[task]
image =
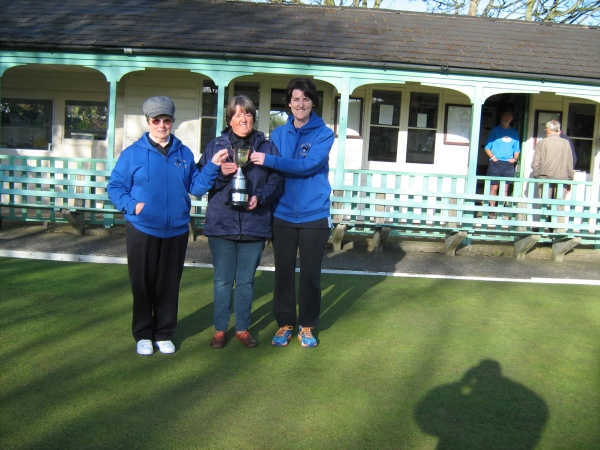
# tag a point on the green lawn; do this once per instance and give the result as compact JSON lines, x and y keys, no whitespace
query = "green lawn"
{"x":401,"y":363}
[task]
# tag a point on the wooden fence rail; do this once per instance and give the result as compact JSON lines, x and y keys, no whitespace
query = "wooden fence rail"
{"x":432,"y":206}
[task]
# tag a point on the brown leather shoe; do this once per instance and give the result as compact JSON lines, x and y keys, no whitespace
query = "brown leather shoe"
{"x":218,"y":340}
{"x":246,"y":339}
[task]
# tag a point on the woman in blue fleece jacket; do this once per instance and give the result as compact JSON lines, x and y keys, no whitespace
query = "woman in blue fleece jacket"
{"x":150,"y":184}
{"x":302,"y":221}
{"x":237,"y":234}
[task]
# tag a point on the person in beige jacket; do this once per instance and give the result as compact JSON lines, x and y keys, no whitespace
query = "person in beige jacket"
{"x":552,"y":159}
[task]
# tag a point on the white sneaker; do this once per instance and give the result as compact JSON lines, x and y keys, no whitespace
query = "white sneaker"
{"x":144,"y":347}
{"x":165,"y":346}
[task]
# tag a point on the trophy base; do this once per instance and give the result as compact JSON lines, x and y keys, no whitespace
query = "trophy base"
{"x":237,"y":198}
{"x":230,"y":203}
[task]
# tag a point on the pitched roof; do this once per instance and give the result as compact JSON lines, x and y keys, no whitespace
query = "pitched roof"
{"x":327,"y":34}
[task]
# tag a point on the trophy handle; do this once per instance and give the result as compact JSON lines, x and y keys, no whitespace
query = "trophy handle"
{"x":250,"y":150}
{"x":230,"y":155}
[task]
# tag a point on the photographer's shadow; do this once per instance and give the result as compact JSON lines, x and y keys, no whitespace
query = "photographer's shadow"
{"x":483,"y":411}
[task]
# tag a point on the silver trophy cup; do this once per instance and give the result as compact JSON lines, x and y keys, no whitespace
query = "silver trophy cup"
{"x":238,"y":196}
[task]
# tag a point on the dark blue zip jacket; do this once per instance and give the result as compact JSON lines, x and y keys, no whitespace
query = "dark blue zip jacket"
{"x":143,"y":174}
{"x":305,"y":163}
{"x":264,"y":183}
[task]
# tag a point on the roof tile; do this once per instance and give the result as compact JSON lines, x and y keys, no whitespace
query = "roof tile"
{"x":298,"y":31}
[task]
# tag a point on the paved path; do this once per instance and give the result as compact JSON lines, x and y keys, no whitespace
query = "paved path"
{"x":108,"y":246}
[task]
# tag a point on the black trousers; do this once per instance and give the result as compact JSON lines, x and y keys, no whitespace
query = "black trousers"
{"x":311,"y":243}
{"x":155,"y":268}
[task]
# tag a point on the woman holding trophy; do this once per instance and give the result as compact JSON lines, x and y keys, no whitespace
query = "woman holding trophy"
{"x":302,"y":222}
{"x":238,"y":218}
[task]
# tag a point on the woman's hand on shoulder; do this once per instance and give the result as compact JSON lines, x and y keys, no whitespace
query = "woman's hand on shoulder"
{"x":220,"y":157}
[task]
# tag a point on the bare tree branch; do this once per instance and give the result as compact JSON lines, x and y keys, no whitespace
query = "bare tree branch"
{"x":473,"y":5}
{"x":560,"y":11}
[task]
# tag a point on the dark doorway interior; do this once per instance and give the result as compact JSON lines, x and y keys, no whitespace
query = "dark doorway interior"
{"x":490,"y":117}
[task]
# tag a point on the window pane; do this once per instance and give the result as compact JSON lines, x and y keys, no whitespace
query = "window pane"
{"x":225,"y":124}
{"x":541,"y":119}
{"x":209,"y":131}
{"x":386,"y":108}
{"x":383,"y":144}
{"x":209,"y":99}
{"x":319,"y":111}
{"x":583,"y":149}
{"x":423,"y":110}
{"x":354,"y":125}
{"x":581,"y":120}
{"x":26,"y":123}
{"x":252,"y":91}
{"x":279,"y":110}
{"x":421,"y":146}
{"x":86,"y":120}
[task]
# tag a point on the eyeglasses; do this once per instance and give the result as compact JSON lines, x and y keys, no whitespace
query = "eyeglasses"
{"x":157,"y":121}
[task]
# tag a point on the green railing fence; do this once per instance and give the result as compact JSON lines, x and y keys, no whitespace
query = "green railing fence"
{"x":48,"y":189}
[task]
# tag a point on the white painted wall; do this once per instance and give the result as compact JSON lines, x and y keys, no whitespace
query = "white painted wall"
{"x":59,"y":83}
{"x":183,"y":87}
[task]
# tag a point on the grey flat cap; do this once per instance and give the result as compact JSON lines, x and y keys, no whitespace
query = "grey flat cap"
{"x":155,"y":106}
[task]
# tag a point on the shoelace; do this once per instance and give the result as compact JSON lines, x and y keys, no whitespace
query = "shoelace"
{"x":282,"y":330}
{"x":307,"y":332}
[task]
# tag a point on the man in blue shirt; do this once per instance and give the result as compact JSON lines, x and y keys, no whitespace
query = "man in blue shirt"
{"x":503,"y":148}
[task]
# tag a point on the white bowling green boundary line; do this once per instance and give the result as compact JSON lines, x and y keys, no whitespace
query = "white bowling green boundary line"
{"x":118,"y":260}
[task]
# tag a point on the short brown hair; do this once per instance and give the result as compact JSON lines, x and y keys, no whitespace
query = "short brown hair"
{"x":244,"y":102}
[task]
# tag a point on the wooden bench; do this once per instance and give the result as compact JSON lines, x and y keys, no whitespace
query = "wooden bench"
{"x":377,"y":203}
{"x":460,"y":218}
{"x":197,"y":216}
{"x":36,"y":188}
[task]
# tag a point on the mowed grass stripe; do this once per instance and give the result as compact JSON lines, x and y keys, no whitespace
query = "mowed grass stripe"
{"x":402,"y":363}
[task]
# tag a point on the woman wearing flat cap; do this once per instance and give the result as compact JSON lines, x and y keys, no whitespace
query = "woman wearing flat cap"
{"x":150,"y":184}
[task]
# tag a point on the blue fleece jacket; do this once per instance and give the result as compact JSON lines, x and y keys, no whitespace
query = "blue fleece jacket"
{"x":503,"y":142}
{"x":305,"y":163}
{"x":266,"y":184}
{"x":143,"y":175}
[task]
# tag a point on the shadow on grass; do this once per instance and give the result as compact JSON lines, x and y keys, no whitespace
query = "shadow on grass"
{"x":338,"y":295}
{"x":357,"y":256}
{"x":484,"y":410}
{"x":193,"y":324}
{"x":76,"y":388}
{"x":201,"y":318}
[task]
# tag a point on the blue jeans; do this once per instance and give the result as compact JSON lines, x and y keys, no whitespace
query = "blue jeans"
{"x":234,"y":261}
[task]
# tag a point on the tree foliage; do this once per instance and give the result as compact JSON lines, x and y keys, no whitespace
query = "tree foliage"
{"x":559,"y":11}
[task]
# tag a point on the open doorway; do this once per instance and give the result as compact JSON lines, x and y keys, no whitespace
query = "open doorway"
{"x":490,"y":117}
